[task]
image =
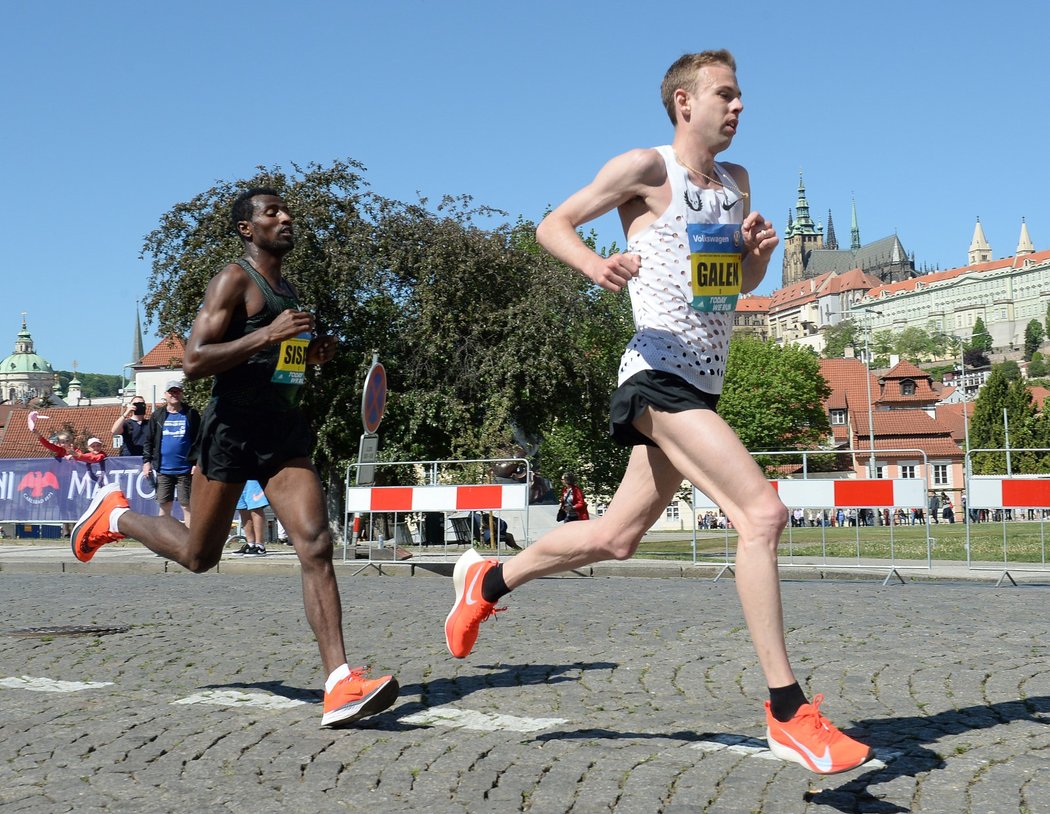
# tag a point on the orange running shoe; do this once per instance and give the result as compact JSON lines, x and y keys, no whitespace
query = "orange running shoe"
{"x":356,"y":697}
{"x":91,"y":531}
{"x":471,"y":608}
{"x":812,"y":741}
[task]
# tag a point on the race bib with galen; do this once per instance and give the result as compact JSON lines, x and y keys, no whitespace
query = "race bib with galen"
{"x":715,"y":257}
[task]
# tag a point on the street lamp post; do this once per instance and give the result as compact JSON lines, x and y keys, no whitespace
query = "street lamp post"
{"x":871,"y":417}
{"x":966,"y":417}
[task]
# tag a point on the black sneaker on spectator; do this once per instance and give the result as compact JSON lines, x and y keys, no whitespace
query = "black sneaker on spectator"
{"x":242,"y":551}
{"x":255,"y":551}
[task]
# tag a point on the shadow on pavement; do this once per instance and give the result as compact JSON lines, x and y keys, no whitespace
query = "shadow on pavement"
{"x":438,"y":692}
{"x":904,"y":737}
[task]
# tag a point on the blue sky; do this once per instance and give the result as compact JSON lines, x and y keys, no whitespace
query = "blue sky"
{"x":929,"y":114}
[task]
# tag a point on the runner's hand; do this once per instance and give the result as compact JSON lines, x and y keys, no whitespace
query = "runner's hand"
{"x":760,"y":238}
{"x":290,"y":324}
{"x":321,"y":350}
{"x":614,"y":272}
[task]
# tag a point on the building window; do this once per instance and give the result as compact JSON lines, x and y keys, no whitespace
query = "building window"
{"x":599,"y":510}
{"x":907,"y":387}
{"x":838,"y":416}
{"x":671,"y":513}
{"x":907,"y":470}
{"x":940,"y":474}
{"x":880,"y":471}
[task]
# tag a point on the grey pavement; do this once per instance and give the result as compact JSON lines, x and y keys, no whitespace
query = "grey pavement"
{"x":588,"y":694}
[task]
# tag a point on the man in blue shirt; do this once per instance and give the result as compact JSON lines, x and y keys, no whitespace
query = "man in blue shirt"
{"x":169,"y":451}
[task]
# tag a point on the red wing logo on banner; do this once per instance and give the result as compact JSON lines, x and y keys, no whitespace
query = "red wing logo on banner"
{"x":38,"y":487}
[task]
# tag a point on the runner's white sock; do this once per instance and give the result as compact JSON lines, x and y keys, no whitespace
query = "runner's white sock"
{"x":338,"y":674}
{"x":114,"y":516}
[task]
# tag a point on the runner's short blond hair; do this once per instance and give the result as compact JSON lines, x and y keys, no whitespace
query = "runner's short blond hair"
{"x":683,"y":74}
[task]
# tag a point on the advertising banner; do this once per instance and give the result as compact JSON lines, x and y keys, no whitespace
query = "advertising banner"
{"x":45,"y":490}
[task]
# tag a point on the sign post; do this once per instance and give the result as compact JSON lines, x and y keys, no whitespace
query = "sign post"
{"x":373,"y":403}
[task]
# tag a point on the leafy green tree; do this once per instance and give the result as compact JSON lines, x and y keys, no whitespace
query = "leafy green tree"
{"x":975,"y":359}
{"x":1027,"y":429}
{"x":1033,"y":338}
{"x":1011,"y":370}
{"x":486,"y":339}
{"x":774,"y":396}
{"x":839,"y":337}
{"x":913,"y":344}
{"x":980,"y":337}
{"x":92,"y":385}
{"x":986,"y":425}
{"x":1037,"y":368}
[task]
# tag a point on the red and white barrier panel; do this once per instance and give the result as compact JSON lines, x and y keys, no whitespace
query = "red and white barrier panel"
{"x":486,"y":497}
{"x":1009,"y":493}
{"x":903,"y":493}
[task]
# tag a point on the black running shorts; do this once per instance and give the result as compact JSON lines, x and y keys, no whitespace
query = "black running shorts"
{"x":661,"y":391}
{"x":238,"y":444}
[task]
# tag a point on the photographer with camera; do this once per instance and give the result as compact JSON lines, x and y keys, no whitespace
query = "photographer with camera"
{"x":132,"y":427}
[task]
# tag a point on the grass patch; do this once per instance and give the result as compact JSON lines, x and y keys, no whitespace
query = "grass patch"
{"x":1025,"y":542}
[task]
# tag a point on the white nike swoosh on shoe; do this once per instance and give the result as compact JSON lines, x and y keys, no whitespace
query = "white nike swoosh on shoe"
{"x":470,"y":588}
{"x":823,"y":762}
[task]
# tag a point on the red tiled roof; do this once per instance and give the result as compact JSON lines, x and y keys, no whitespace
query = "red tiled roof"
{"x":905,"y":370}
{"x":851,"y":280}
{"x":1039,"y":395}
{"x":167,"y":353}
{"x":18,"y":442}
{"x":950,"y":416}
{"x":892,"y":391}
{"x":753,"y":303}
{"x":893,"y":429}
{"x":949,"y":274}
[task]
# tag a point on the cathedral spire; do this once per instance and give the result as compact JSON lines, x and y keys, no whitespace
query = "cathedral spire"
{"x":803,"y":222}
{"x":832,"y":242}
{"x":136,"y":341}
{"x":1024,"y":243}
{"x":980,"y":250}
{"x":854,"y":229}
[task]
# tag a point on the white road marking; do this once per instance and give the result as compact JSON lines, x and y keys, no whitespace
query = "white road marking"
{"x":757,"y":747}
{"x":34,"y":684}
{"x":481,"y":721}
{"x":236,"y":698}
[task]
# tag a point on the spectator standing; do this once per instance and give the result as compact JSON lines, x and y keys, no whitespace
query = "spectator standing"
{"x":934,"y":506}
{"x":63,"y":447}
{"x":573,"y":505}
{"x":252,"y":509}
{"x":169,"y":453}
{"x":132,"y":427}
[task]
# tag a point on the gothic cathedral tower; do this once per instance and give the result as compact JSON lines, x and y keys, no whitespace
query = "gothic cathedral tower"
{"x":800,"y":238}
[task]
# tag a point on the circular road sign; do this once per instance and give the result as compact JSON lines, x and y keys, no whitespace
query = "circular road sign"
{"x":373,"y":400}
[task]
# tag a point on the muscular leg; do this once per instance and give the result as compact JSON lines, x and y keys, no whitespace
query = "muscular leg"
{"x":708,"y":453}
{"x":198,"y":549}
{"x":296,"y":496}
{"x":647,"y":487}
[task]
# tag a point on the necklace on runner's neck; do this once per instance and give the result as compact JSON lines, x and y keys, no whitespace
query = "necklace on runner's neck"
{"x":731,"y":185}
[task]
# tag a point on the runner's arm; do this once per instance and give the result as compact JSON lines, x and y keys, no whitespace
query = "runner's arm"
{"x":630,"y":175}
{"x":207,"y":354}
{"x":760,"y":237}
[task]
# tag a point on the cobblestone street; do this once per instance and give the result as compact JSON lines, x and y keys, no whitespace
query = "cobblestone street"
{"x":621,"y":694}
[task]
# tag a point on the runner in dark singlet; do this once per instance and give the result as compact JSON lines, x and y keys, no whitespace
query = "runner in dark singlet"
{"x":252,"y":337}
